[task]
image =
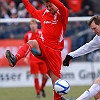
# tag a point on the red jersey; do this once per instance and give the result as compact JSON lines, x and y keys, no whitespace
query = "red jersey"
{"x":30,"y":36}
{"x":53,"y":26}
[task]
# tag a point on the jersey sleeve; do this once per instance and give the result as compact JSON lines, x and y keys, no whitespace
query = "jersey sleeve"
{"x":62,"y":9}
{"x":32,"y":10}
{"x":87,"y":48}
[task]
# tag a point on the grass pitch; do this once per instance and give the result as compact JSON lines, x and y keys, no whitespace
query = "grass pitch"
{"x":28,"y":93}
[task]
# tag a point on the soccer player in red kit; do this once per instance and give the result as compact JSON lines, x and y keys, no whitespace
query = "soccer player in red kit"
{"x":54,"y":19}
{"x":36,"y":65}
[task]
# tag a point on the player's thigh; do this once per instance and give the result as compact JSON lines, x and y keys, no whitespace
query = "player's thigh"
{"x":34,"y":68}
{"x":53,"y":77}
{"x":42,"y":68}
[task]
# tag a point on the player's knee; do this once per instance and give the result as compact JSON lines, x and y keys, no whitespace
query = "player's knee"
{"x":36,"y":75}
{"x":45,"y":76}
{"x":32,"y":43}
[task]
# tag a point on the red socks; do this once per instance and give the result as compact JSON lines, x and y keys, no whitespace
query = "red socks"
{"x":44,"y":80}
{"x":37,"y":87}
{"x":57,"y":96}
{"x":23,"y":51}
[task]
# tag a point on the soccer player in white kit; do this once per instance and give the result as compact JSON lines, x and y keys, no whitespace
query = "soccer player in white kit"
{"x":93,"y":45}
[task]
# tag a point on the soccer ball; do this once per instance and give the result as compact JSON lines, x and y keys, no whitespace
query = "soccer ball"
{"x":62,"y":86}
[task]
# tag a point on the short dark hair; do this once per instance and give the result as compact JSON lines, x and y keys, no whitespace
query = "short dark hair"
{"x":45,"y":1}
{"x":96,"y":20}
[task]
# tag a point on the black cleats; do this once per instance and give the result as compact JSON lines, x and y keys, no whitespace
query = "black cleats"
{"x":11,"y":58}
{"x":63,"y":98}
{"x":38,"y":96}
{"x":43,"y":93}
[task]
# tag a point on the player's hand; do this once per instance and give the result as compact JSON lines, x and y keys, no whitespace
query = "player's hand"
{"x":67,"y":60}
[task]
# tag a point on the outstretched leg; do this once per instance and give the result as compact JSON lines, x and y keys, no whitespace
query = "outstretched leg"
{"x":22,"y":52}
{"x":54,"y":78}
{"x":93,"y":91}
{"x":97,"y":96}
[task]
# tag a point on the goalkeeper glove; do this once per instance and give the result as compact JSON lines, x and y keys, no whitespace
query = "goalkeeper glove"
{"x":67,"y":60}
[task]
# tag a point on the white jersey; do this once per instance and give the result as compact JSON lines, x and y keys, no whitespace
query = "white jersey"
{"x":87,"y":48}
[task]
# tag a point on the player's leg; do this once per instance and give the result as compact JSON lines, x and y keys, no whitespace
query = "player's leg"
{"x":22,"y":52}
{"x":35,"y":70}
{"x":44,"y":81}
{"x":97,"y":96}
{"x":36,"y":85}
{"x":43,"y":71}
{"x":54,"y":62}
{"x":54,"y":78}
{"x":93,"y":90}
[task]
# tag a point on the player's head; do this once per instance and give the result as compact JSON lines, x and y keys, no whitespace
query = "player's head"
{"x":33,"y":25}
{"x":50,"y":6}
{"x":94,"y":24}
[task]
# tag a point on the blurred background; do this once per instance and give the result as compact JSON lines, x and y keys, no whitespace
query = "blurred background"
{"x":77,"y":34}
{"x":76,"y":30}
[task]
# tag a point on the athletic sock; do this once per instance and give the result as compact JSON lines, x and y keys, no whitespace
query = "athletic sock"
{"x":57,"y":96}
{"x":23,"y":51}
{"x":36,"y":84}
{"x":44,"y":80}
{"x":94,"y":89}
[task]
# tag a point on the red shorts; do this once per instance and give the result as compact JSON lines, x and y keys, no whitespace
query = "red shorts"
{"x":37,"y":66}
{"x":52,"y":58}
